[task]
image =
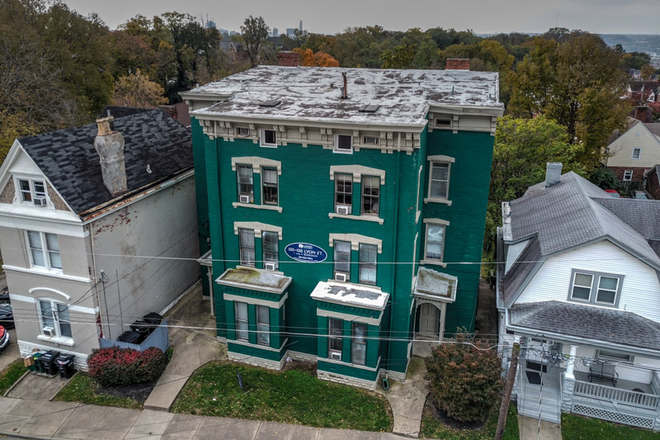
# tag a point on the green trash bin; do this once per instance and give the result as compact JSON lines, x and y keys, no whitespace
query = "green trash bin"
{"x":38,"y":366}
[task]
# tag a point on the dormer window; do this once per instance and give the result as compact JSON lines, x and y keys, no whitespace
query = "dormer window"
{"x":32,"y":192}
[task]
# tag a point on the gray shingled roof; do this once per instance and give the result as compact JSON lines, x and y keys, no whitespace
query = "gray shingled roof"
{"x":654,"y":127}
{"x":599,"y":323}
{"x":527,"y":261}
{"x":641,"y":215}
{"x":71,"y":164}
{"x":567,"y":215}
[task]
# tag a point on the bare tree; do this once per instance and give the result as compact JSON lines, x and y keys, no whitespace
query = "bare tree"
{"x":254,"y":32}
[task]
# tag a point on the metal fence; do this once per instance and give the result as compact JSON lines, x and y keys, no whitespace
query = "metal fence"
{"x":159,"y":338}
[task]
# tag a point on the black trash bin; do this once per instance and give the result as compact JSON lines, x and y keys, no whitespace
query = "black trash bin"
{"x":130,"y":337}
{"x":153,"y":318}
{"x":48,"y":361}
{"x":65,"y":365}
{"x":143,"y":328}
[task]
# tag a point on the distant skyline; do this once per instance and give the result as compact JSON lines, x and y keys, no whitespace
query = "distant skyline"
{"x":481,"y":16}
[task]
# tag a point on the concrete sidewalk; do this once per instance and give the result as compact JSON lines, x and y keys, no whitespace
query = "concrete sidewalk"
{"x":67,"y":420}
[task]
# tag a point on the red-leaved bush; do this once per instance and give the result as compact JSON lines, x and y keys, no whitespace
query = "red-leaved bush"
{"x":125,"y":366}
{"x":465,"y":377}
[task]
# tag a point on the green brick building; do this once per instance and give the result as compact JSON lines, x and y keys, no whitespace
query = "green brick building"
{"x":334,"y":207}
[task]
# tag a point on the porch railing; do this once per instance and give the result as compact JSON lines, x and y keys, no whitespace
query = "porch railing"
{"x":616,"y":395}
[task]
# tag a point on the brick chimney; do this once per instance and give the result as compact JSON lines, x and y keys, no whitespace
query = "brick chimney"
{"x":458,"y":64}
{"x":109,"y":145}
{"x":286,"y":58}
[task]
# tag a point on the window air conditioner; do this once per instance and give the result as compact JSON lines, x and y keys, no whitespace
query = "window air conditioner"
{"x":48,"y":331}
{"x":341,"y":277}
{"x":39,"y":201}
{"x":344,"y":209}
{"x":244,"y":199}
{"x":270,"y":266}
{"x":335,"y":355}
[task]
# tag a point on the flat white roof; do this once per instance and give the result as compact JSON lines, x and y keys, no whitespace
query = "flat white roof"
{"x":254,"y":279}
{"x":314,"y":94}
{"x":349,"y":294}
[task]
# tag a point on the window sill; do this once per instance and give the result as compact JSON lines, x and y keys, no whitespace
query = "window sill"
{"x":367,"y":218}
{"x":436,"y":200}
{"x":56,"y":340}
{"x":255,"y":206}
{"x":44,"y":272}
{"x":347,"y":364}
{"x":435,"y":262}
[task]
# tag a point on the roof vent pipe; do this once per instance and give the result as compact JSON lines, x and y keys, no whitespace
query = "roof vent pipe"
{"x":345,"y":92}
{"x":552,"y":174}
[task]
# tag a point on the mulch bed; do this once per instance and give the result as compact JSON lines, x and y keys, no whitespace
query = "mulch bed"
{"x":138,"y":392}
{"x":442,"y":416}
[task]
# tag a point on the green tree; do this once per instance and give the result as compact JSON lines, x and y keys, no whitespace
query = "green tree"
{"x":578,"y":84}
{"x":135,"y":90}
{"x":464,"y":378}
{"x":255,"y":33}
{"x":401,"y":57}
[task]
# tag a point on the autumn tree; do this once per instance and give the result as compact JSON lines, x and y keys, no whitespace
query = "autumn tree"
{"x":318,"y":59}
{"x":577,"y":83}
{"x":255,"y":33}
{"x":135,"y":90}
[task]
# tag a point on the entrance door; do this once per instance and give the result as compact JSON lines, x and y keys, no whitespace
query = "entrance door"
{"x":428,"y":320}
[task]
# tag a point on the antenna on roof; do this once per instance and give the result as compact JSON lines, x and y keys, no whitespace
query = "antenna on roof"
{"x":345,"y":91}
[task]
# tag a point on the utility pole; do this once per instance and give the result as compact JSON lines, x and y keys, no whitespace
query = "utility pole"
{"x":504,"y":408}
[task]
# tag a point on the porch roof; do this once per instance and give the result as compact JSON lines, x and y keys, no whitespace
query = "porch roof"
{"x":254,"y":279}
{"x":586,"y":322}
{"x":354,"y":295}
{"x":434,"y":285}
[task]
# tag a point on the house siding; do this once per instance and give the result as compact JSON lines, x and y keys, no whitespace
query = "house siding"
{"x":621,"y":149}
{"x":638,"y":291}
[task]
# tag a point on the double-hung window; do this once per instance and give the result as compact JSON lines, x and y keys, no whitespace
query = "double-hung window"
{"x":627,"y":175}
{"x":270,"y":243}
{"x":342,"y":258}
{"x":636,"y":153}
{"x":343,"y":193}
{"x":54,"y":319}
{"x":32,"y":191}
{"x":435,"y":241}
{"x":439,"y":181}
{"x":44,"y":250}
{"x":241,"y":312}
{"x":270,"y":187}
{"x":263,"y":325}
{"x":359,"y":344}
{"x":595,"y":288}
{"x":370,"y":195}
{"x":246,"y":243}
{"x":335,"y":332}
{"x":368,"y":262}
{"x":245,"y":183}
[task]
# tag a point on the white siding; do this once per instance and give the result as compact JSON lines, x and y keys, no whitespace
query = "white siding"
{"x":641,"y":371}
{"x":622,"y":148}
{"x":513,"y":252}
{"x":640,"y":292}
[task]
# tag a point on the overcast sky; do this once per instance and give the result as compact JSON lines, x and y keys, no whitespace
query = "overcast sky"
{"x":332,"y":16}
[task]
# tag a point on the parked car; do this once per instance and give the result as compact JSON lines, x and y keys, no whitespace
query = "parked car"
{"x":640,"y":195}
{"x":613,"y":193}
{"x":4,"y":338}
{"x":4,"y":295}
{"x":6,"y":315}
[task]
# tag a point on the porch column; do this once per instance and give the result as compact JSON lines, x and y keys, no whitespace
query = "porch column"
{"x":569,"y":382}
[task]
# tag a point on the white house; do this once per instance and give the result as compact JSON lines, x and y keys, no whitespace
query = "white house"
{"x":578,"y":287}
{"x":634,"y":152}
{"x":97,"y":229}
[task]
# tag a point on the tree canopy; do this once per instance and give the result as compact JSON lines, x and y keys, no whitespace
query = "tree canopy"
{"x":255,"y":33}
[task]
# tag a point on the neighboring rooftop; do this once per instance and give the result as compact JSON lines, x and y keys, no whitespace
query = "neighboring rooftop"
{"x":254,"y":279}
{"x":581,"y":321}
{"x":350,"y":294}
{"x":156,"y":148}
{"x":314,"y":93}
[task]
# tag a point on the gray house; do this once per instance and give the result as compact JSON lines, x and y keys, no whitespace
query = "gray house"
{"x":97,"y":228}
{"x":578,"y":288}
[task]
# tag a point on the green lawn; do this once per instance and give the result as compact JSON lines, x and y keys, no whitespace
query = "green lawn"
{"x":294,"y":396}
{"x":433,"y":428}
{"x":11,"y":374}
{"x":582,"y":428}
{"x":81,"y":388}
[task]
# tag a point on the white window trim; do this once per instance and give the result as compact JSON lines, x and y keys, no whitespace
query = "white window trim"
{"x":335,"y":146}
{"x":44,"y":251}
{"x":238,"y":133}
{"x":258,"y":228}
{"x":257,"y":164}
{"x":632,"y":156}
{"x":364,"y":140}
{"x":355,"y":240}
{"x":58,"y":338}
{"x":358,"y":171}
{"x":435,"y":222}
{"x":18,"y":197}
{"x":258,"y":323}
{"x":629,"y":179}
{"x":439,"y":159}
{"x":262,"y":138}
{"x":606,"y":357}
{"x":277,"y":183}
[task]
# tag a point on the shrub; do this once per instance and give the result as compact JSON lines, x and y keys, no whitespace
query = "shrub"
{"x":464,"y":378}
{"x":125,"y":366}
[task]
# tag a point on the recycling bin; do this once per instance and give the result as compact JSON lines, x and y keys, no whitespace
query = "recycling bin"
{"x":48,"y":362}
{"x":65,"y":365}
{"x":38,"y":367}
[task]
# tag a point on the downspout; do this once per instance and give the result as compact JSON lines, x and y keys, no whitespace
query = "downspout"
{"x":394,"y":235}
{"x":88,"y":227}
